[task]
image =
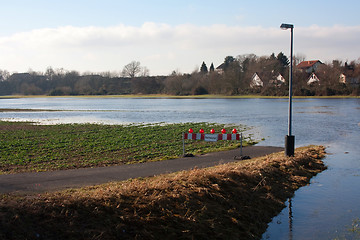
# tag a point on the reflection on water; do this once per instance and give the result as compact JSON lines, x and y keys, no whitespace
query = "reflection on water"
{"x":328,"y":206}
{"x":317,"y":110}
{"x":290,"y":220}
{"x":322,"y":210}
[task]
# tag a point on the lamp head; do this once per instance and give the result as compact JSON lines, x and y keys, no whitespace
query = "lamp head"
{"x":285,"y":26}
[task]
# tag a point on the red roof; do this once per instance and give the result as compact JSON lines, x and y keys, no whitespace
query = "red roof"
{"x":307,"y":64}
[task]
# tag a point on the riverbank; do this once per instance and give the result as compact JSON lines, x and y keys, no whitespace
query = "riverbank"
{"x":230,"y":201}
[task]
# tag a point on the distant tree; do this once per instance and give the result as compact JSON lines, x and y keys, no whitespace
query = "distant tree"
{"x":144,"y":72}
{"x":337,"y":64}
{"x":284,"y":61}
{"x":49,"y":73}
{"x":60,"y":72}
{"x":200,"y":90}
{"x":146,"y":85}
{"x":174,"y":84}
{"x":329,"y":78}
{"x":175,"y":73}
{"x":246,"y":62}
{"x":228,"y":61}
{"x":215,"y":83}
{"x":212,"y":68}
{"x":298,"y":58}
{"x":4,"y":75}
{"x":272,"y":56}
{"x":203,"y":68}
{"x":132,"y":69}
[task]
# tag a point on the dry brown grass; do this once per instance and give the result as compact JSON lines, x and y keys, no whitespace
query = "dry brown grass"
{"x":231,"y":201}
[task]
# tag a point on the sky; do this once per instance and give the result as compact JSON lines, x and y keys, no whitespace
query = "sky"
{"x":166,"y":36}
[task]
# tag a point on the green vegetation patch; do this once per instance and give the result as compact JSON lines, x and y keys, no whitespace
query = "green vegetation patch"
{"x":27,"y":147}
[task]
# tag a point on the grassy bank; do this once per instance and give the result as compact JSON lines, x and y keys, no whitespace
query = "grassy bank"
{"x":231,"y":201}
{"x":25,"y":147}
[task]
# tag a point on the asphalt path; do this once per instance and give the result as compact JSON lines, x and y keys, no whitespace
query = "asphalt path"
{"x":32,"y":183}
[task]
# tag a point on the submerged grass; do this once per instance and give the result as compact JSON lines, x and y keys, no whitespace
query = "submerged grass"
{"x":351,"y":232}
{"x":26,"y":147}
{"x":230,"y":201}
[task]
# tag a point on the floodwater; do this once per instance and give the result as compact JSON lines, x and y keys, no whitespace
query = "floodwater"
{"x":328,"y":208}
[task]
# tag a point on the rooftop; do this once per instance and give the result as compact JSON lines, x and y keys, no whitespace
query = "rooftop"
{"x":307,"y":64}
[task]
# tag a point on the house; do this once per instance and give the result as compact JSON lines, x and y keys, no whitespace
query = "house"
{"x":313,"y":79}
{"x":260,"y":79}
{"x":220,"y":69}
{"x":256,"y":81}
{"x":349,"y":79}
{"x":309,"y":66}
{"x":342,"y":78}
{"x":278,"y":80}
{"x":349,"y":76}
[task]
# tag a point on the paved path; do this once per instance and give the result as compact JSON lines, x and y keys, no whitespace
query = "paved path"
{"x":29,"y":183}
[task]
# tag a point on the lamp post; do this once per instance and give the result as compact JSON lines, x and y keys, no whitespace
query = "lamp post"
{"x":290,"y":139}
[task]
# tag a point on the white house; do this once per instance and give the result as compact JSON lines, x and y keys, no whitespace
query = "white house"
{"x":313,"y":79}
{"x":280,"y":78}
{"x":256,"y":81}
{"x":278,"y":81}
{"x":349,"y":79}
{"x":342,"y":78}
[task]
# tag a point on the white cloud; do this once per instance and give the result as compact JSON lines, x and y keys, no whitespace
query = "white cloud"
{"x":163,"y":48}
{"x":328,"y":43}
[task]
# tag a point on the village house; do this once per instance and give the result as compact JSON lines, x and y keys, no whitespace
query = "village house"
{"x":313,"y":79}
{"x":348,"y":76}
{"x":342,"y":78}
{"x":308,"y":66}
{"x":220,"y":69}
{"x":349,"y":79}
{"x":256,"y":81}
{"x":278,"y":81}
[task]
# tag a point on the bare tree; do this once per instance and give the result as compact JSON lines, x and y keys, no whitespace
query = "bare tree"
{"x":298,"y":58}
{"x":131,"y":69}
{"x":4,"y":75}
{"x":49,"y":73}
{"x":145,"y":72}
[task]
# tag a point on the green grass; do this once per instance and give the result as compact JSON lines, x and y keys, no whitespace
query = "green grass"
{"x":25,"y":147}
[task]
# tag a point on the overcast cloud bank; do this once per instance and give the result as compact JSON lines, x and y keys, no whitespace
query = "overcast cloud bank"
{"x":163,"y":48}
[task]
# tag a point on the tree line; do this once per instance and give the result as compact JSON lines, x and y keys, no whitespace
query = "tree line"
{"x":232,"y":77}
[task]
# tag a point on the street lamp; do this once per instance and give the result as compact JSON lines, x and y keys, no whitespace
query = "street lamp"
{"x":290,"y":139}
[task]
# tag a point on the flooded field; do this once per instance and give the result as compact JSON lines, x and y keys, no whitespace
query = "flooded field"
{"x":326,"y":209}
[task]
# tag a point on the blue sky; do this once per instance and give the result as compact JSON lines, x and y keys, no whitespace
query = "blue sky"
{"x":105,"y":35}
